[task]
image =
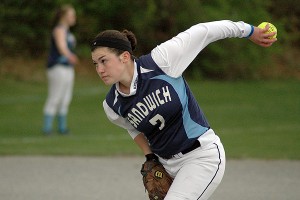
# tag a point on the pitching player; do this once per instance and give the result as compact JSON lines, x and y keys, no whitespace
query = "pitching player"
{"x":60,"y":70}
{"x":150,"y":98}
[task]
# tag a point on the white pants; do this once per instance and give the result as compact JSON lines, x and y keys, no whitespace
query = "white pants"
{"x":60,"y":90}
{"x":197,"y":173}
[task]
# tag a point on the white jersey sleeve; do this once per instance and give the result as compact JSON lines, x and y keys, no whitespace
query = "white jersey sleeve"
{"x":175,"y":55}
{"x":120,"y":121}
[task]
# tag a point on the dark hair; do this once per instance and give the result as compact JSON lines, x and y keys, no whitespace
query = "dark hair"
{"x":125,"y":35}
{"x":60,"y":12}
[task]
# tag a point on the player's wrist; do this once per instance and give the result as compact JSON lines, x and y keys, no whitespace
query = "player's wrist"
{"x":151,"y":156}
{"x":251,"y":31}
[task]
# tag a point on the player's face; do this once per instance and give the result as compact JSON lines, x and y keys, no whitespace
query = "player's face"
{"x":70,"y":17}
{"x":108,"y":65}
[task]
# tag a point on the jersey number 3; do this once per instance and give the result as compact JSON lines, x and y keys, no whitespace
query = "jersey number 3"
{"x":156,"y":120}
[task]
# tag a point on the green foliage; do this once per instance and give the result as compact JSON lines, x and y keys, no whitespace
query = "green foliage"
{"x":24,"y":26}
{"x":25,"y":29}
{"x":288,"y":14}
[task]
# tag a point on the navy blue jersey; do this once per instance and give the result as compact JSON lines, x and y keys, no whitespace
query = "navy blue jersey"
{"x":163,"y":108}
{"x":54,"y":55}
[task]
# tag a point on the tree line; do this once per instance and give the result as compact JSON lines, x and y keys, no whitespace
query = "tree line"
{"x":25,"y":28}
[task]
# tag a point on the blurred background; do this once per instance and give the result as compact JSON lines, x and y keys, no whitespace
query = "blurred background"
{"x":25,"y":29}
{"x":250,"y":94}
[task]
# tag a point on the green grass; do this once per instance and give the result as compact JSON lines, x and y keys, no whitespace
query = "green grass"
{"x":253,"y":119}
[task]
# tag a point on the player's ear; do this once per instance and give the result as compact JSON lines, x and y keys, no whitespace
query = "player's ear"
{"x":125,"y":56}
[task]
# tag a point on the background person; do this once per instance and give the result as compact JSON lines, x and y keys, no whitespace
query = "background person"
{"x":60,"y":70}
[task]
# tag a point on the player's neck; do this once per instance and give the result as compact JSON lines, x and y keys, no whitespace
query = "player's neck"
{"x":125,"y":84}
{"x":64,"y":24}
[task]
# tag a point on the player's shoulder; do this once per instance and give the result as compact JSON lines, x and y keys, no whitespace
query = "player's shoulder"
{"x":59,"y":30}
{"x":147,"y":66}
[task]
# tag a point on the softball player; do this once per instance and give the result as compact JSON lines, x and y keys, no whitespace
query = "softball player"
{"x":150,"y":98}
{"x":60,"y":71}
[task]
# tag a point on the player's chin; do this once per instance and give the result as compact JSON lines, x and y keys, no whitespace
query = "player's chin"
{"x":108,"y":81}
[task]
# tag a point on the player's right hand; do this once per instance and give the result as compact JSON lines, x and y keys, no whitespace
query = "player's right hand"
{"x":73,"y":59}
{"x":262,"y":38}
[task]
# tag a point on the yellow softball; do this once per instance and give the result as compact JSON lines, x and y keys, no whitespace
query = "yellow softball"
{"x":271,"y":29}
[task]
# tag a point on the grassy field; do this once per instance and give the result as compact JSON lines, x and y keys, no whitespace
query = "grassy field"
{"x":253,"y":119}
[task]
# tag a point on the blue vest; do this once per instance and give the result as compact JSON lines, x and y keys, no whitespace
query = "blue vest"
{"x":163,"y":108}
{"x":55,"y":57}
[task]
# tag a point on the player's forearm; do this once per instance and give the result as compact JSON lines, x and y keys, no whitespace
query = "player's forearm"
{"x":175,"y":55}
{"x":142,"y":142}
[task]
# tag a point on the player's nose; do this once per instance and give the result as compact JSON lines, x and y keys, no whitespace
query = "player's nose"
{"x":100,"y":69}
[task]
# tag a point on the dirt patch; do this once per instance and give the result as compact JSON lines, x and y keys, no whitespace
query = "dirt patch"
{"x":77,"y":178}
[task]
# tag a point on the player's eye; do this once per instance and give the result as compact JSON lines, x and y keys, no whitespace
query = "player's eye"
{"x":95,"y":64}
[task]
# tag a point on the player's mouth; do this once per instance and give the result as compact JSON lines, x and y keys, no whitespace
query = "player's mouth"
{"x":105,"y":79}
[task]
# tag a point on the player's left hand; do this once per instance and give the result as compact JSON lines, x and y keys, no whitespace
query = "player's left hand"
{"x":262,"y":38}
{"x":156,"y":179}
